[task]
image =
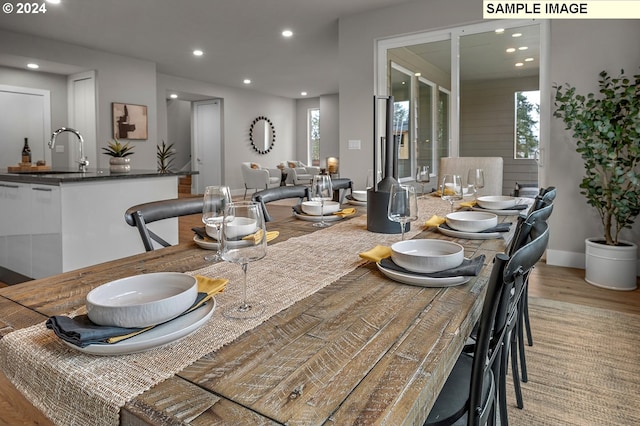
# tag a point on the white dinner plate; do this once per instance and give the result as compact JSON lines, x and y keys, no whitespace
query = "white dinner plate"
{"x":355,"y":202}
{"x":160,"y":335}
{"x":207,"y":245}
{"x":310,"y":218}
{"x":469,"y":235}
{"x":421,"y":280}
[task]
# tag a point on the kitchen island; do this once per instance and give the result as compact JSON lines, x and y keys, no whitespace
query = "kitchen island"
{"x":61,"y":220}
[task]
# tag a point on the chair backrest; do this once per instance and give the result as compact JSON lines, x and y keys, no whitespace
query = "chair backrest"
{"x":490,"y":337}
{"x":526,"y":224}
{"x":338,"y":184}
{"x":546,"y":196}
{"x":142,"y":214}
{"x":278,"y":193}
{"x":492,"y":166}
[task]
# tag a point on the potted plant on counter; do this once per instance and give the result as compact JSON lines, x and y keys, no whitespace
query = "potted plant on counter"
{"x":165,"y":154}
{"x":606,"y":127}
{"x":119,"y":152}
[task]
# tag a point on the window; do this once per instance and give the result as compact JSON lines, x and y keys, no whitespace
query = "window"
{"x":527,"y":138}
{"x":313,"y":136}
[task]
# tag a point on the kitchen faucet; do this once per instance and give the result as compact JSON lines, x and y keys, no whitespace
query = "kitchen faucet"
{"x":84,"y":162}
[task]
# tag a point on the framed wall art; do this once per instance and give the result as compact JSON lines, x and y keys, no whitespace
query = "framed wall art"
{"x":129,"y":121}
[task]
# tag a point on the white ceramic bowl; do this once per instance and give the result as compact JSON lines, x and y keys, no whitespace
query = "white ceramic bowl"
{"x":313,"y":207}
{"x":359,"y":195}
{"x":427,"y":255}
{"x":496,"y":202}
{"x":142,"y":300}
{"x":471,"y":221}
{"x":239,"y":227}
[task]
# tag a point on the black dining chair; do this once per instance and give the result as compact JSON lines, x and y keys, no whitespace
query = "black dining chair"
{"x":471,"y":389}
{"x":279,"y":193}
{"x":143,"y":214}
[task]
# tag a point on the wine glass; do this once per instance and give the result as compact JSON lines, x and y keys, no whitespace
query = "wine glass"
{"x":475,"y":180}
{"x":244,"y":240}
{"x":321,"y":190}
{"x":451,"y":188}
{"x":215,"y":200}
{"x":422,"y":176}
{"x":403,"y":205}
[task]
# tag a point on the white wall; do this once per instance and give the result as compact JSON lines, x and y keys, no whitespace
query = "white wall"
{"x":119,"y":79}
{"x":329,"y":129}
{"x":580,"y":49}
{"x":240,"y":107}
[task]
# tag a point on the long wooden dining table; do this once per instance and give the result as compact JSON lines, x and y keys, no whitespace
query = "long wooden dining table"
{"x":340,"y":342}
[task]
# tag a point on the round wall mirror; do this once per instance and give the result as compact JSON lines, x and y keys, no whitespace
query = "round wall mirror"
{"x":262,"y":135}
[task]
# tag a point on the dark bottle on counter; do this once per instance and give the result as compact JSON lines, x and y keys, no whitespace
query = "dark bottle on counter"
{"x":26,"y":152}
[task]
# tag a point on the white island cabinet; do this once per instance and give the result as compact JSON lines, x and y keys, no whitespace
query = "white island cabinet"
{"x":58,"y":224}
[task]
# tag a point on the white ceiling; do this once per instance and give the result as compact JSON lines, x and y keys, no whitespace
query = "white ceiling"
{"x":241,"y":38}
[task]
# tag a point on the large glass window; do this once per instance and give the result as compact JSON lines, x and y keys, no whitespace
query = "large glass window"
{"x":313,"y":135}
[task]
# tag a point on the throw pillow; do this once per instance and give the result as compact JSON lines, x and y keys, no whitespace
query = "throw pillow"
{"x":255,"y":166}
{"x":292,"y":164}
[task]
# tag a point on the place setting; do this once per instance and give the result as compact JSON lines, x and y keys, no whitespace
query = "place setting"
{"x":425,"y":262}
{"x":502,"y":205}
{"x":357,"y":198}
{"x":139,"y":313}
{"x":320,"y":208}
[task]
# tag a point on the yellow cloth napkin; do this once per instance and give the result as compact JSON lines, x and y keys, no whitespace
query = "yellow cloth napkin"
{"x":210,"y":286}
{"x":377,"y":253}
{"x":435,"y":221}
{"x":468,"y":204}
{"x":257,"y":237}
{"x":345,"y":212}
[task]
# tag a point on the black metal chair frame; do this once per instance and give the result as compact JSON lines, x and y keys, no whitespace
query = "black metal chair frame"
{"x":142,"y":214}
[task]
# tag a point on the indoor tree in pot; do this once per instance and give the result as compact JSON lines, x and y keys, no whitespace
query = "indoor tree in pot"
{"x":118,"y":163}
{"x":164,"y":154}
{"x":606,"y":127}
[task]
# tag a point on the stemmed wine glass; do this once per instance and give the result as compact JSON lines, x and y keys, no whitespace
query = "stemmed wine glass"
{"x":422,"y":176}
{"x":215,"y":200}
{"x":321,"y":190}
{"x":403,"y":205}
{"x":244,"y":240}
{"x":451,"y":189}
{"x":475,"y":180}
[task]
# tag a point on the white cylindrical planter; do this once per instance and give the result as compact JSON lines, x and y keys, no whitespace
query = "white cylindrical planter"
{"x":119,"y":164}
{"x":612,"y":267}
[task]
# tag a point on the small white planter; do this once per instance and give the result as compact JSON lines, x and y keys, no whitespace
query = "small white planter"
{"x":612,"y":267}
{"x":119,"y":164}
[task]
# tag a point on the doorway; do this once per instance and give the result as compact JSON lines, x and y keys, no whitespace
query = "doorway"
{"x":206,"y":144}
{"x":473,"y":73}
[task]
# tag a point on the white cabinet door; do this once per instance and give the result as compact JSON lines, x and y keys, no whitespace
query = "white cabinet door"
{"x":46,"y":231}
{"x":16,"y":203}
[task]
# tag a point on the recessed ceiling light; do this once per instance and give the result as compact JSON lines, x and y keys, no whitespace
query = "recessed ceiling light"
{"x":519,"y":64}
{"x":418,"y":74}
{"x":511,"y":50}
{"x":198,"y":52}
{"x":173,"y":96}
{"x":303,"y":93}
{"x":33,"y":66}
{"x":516,"y":35}
{"x":528,"y":60}
{"x":287,"y":33}
{"x":246,"y":81}
{"x":500,"y":31}
{"x":522,"y":48}
{"x":53,"y":1}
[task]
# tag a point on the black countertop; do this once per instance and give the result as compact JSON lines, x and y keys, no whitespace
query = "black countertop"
{"x":61,"y":176}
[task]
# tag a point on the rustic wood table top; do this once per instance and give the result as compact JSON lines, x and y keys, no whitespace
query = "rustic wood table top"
{"x":363,"y":350}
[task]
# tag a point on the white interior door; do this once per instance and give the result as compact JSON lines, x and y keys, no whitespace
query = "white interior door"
{"x":82,"y":117}
{"x":26,"y":113}
{"x":207,"y":146}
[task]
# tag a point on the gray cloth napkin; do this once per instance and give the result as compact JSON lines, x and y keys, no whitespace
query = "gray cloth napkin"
{"x":501,"y":227}
{"x":469,"y":268}
{"x":516,"y":207}
{"x":80,"y":331}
